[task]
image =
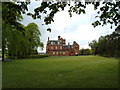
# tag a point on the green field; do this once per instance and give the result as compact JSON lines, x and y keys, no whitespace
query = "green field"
{"x":61,"y":72}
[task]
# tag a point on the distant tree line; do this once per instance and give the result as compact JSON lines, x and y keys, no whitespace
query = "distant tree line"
{"x":108,"y":46}
{"x":86,"y":51}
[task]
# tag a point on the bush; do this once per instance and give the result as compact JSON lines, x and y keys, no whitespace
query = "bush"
{"x":86,"y":52}
{"x":38,"y":56}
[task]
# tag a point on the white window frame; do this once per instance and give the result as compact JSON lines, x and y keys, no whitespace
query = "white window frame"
{"x":56,"y":47}
{"x":53,"y":52}
{"x":51,"y":47}
{"x":60,"y":47}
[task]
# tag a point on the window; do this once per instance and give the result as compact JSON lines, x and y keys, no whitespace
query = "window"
{"x":53,"y":52}
{"x":51,"y":47}
{"x":52,"y":43}
{"x":56,"y":52}
{"x":56,"y":47}
{"x":60,"y":41}
{"x":63,"y":52}
{"x":60,"y":47}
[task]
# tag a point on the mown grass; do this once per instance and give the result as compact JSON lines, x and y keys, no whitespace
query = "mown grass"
{"x":61,"y":72}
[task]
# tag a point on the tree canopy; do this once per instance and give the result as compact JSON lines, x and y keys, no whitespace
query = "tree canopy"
{"x":108,"y":12}
{"x":108,"y":45}
{"x":18,"y":41}
{"x":19,"y":45}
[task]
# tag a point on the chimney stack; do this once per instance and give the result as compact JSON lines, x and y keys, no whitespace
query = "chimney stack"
{"x":58,"y":37}
{"x":68,"y":43}
{"x":48,"y":38}
{"x":64,"y":41}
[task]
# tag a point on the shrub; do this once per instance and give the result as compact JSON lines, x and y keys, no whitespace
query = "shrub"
{"x":38,"y":56}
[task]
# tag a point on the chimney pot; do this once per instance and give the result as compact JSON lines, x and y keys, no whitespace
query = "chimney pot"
{"x":58,"y":37}
{"x":68,"y":43}
{"x":48,"y":38}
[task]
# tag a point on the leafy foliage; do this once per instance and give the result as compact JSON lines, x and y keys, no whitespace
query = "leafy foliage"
{"x":11,"y":13}
{"x":108,"y":13}
{"x":93,"y":46}
{"x":108,"y":45}
{"x":22,"y":45}
{"x":86,"y":52}
{"x":32,"y":36}
{"x":38,"y":56}
{"x":18,"y":41}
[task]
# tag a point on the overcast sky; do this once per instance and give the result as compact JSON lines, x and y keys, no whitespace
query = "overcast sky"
{"x":77,"y":28}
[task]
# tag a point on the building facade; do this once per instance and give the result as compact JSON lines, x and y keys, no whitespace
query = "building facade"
{"x":59,"y":48}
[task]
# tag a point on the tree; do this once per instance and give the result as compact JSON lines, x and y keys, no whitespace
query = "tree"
{"x":17,"y":47}
{"x":108,"y":13}
{"x":94,"y":46}
{"x":11,"y":14}
{"x":117,"y":29}
{"x":85,"y":51}
{"x":22,"y":45}
{"x":107,"y":45}
{"x":32,"y":34}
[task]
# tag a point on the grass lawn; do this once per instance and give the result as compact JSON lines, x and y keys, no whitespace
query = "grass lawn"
{"x":61,"y":72}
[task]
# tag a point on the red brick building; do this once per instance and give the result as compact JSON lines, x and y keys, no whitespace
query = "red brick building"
{"x":59,"y":48}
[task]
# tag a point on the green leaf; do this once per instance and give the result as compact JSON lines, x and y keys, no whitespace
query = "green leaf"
{"x":49,"y":29}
